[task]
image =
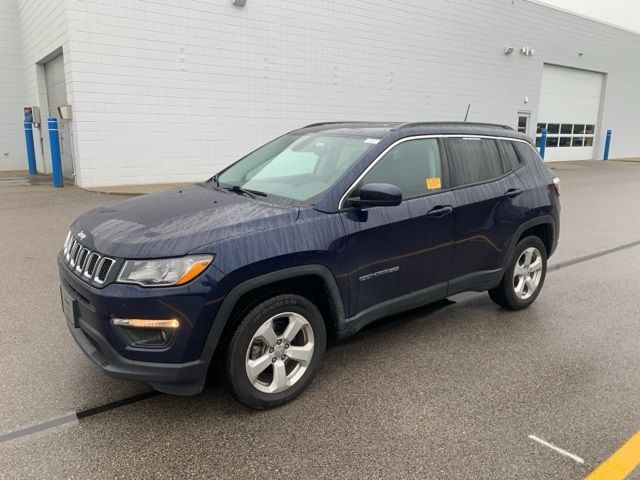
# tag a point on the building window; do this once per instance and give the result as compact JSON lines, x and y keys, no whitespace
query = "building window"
{"x":553,"y":128}
{"x":523,"y":121}
{"x":567,"y":134}
{"x":565,"y":141}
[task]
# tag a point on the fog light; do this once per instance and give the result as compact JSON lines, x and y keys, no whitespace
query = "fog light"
{"x":142,"y":323}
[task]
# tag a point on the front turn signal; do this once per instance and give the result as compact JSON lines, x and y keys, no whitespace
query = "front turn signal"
{"x":196,"y":269}
{"x":143,"y":323}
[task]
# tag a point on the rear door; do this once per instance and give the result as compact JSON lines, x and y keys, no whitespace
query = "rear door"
{"x":400,"y":256}
{"x":489,"y":208}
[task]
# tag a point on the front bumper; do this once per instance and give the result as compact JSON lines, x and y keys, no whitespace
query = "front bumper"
{"x":181,"y":366}
{"x":175,"y":378}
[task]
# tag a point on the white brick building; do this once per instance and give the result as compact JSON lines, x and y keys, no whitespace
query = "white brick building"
{"x":173,"y":90}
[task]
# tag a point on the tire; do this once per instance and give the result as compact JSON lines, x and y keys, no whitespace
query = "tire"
{"x":262,"y":373}
{"x":517,"y":293}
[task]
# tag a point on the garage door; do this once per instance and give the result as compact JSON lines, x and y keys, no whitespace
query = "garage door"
{"x":569,"y":108}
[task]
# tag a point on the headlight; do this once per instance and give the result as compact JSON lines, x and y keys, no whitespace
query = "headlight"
{"x":164,"y":272}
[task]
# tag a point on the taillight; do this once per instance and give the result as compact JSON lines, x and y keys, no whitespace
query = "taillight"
{"x":556,"y":184}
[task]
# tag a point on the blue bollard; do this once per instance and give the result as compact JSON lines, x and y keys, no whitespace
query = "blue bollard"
{"x":54,"y":142}
{"x":607,"y":145}
{"x":31,"y":153}
{"x":543,"y":142}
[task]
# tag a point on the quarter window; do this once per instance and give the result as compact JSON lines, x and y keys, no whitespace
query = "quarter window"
{"x":510,"y":159}
{"x":413,"y":166}
{"x":474,"y":160}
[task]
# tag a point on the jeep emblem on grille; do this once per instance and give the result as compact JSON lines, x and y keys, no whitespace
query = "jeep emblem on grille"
{"x":82,"y":235}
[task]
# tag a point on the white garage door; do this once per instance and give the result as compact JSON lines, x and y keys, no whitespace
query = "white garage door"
{"x":569,"y":107}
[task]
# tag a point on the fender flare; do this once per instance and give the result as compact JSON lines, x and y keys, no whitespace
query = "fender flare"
{"x":542,"y":220}
{"x":231,"y":299}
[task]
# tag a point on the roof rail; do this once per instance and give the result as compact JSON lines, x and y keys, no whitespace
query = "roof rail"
{"x":475,"y":124}
{"x":320,"y":124}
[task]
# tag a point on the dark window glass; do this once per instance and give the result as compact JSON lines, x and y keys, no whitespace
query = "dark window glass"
{"x":540,"y":127}
{"x":589,"y":129}
{"x":522,"y":124}
{"x":413,"y":166}
{"x":565,"y":141}
{"x":588,"y":141}
{"x":565,"y":129}
{"x":578,"y":129}
{"x":537,"y":141}
{"x":552,"y":141}
{"x":474,"y":160}
{"x":553,"y":128}
{"x":509,"y":157}
{"x":577,"y":141}
{"x":525,"y":151}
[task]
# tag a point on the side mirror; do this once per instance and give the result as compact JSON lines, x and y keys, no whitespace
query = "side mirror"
{"x":377,"y":195}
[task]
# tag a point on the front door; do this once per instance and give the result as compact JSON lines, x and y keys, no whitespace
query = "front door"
{"x":399,"y":257}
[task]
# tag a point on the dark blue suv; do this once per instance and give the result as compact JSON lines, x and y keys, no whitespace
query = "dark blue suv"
{"x":312,"y":236}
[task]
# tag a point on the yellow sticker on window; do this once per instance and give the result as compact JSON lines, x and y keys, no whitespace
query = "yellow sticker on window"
{"x":433,"y":183}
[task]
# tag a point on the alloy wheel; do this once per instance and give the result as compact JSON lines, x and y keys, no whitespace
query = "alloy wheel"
{"x":527,"y":273}
{"x":279,"y":352}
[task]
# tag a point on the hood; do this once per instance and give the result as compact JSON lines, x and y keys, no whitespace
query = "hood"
{"x":174,"y":222}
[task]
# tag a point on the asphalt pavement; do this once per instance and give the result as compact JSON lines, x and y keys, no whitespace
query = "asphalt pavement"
{"x":455,"y":390}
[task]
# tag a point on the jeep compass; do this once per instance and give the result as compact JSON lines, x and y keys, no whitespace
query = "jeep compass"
{"x":312,"y":236}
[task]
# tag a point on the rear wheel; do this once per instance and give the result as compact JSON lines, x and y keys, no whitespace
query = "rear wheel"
{"x":275,"y":351}
{"x":524,"y":277}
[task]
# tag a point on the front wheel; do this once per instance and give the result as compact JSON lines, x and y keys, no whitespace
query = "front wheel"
{"x":524,"y":276}
{"x":275,"y":352}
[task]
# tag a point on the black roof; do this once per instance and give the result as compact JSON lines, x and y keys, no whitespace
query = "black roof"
{"x":379,"y":129}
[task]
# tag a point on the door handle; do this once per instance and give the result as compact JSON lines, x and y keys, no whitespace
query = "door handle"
{"x":512,"y":192}
{"x":440,"y":211}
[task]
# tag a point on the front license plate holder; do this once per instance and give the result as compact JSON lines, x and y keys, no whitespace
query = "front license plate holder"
{"x":69,"y":308}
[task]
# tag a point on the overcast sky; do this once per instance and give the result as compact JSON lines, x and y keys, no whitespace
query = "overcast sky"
{"x":625,"y":13}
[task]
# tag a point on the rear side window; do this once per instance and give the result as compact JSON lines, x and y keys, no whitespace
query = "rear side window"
{"x":474,"y":160}
{"x":413,"y":166}
{"x":509,"y":157}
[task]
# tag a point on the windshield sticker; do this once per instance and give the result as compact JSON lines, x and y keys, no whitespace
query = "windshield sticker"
{"x":372,"y":140}
{"x":433,"y":183}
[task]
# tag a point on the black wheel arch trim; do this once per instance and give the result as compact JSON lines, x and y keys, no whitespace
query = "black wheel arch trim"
{"x":542,"y":220}
{"x":231,"y":299}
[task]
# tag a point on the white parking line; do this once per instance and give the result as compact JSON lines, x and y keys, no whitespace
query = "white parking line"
{"x":570,"y":455}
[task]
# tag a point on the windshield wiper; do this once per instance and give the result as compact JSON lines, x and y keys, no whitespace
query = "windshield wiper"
{"x":251,"y":193}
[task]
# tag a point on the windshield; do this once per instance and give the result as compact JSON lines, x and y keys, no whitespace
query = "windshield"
{"x":296,"y":166}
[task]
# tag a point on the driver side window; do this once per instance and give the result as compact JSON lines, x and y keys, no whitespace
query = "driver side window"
{"x":414,"y":166}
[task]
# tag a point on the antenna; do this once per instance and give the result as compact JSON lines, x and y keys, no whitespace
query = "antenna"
{"x":467,"y":114}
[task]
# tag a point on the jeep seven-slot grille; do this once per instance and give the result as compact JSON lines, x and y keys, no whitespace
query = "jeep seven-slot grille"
{"x":89,"y":265}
